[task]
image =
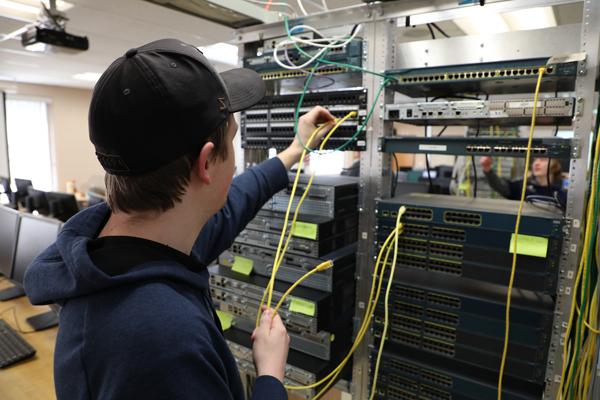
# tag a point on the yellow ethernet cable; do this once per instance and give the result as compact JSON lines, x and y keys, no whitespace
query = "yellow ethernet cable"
{"x":516,"y":234}
{"x":279,"y":255}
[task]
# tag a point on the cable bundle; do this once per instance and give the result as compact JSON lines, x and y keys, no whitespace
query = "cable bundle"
{"x":581,"y":338}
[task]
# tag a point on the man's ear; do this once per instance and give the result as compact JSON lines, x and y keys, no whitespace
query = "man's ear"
{"x":203,"y":163}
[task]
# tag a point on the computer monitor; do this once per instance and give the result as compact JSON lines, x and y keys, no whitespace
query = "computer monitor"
{"x":5,"y":185}
{"x":62,"y":205}
{"x":36,"y":233}
{"x":21,"y":193}
{"x":9,"y":228}
{"x":36,"y":201}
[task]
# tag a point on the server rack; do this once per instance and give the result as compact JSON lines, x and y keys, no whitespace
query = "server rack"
{"x":381,"y":52}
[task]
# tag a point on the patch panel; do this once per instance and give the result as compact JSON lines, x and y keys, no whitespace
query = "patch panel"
{"x":270,"y":124}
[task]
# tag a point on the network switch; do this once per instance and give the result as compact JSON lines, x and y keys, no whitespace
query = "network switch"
{"x":478,"y":146}
{"x":301,"y":369}
{"x":460,"y":212}
{"x":271,"y":122}
{"x":323,"y":345}
{"x":474,"y":254}
{"x":550,"y":111}
{"x":300,"y":246}
{"x":294,"y":266}
{"x":434,"y":377}
{"x":309,"y":226}
{"x":268,"y":69}
{"x":464,"y":320}
{"x":244,"y":294}
{"x":516,"y":76}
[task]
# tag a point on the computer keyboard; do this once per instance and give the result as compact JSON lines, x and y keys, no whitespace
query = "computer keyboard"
{"x":13,"y":348}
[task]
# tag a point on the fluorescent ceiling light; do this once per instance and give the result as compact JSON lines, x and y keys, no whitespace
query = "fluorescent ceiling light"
{"x":88,"y":76}
{"x":38,"y":47}
{"x":531,"y":18}
{"x":18,"y":6}
{"x":32,"y":6}
{"x":221,"y":52}
{"x":482,"y":22}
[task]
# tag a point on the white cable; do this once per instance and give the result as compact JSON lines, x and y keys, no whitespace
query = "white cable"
{"x":275,"y":4}
{"x":294,"y":67}
{"x":302,"y":7}
{"x":313,"y":42}
{"x":324,"y":5}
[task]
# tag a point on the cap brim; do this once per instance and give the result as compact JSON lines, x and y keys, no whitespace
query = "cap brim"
{"x":245,"y":88}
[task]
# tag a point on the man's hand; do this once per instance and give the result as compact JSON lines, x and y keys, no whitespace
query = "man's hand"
{"x":306,"y":126}
{"x":486,"y":163}
{"x":271,"y":345}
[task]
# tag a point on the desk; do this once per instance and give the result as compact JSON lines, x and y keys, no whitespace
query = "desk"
{"x":32,"y":378}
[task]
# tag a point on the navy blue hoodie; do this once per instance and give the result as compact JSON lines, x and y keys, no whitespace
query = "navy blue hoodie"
{"x":148,"y":333}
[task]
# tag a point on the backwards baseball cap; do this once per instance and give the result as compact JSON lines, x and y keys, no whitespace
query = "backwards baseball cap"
{"x":162,"y":101}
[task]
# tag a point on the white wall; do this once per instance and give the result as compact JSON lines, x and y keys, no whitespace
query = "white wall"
{"x":73,"y":153}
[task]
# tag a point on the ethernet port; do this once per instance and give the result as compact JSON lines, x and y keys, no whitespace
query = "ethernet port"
{"x":501,"y":73}
{"x":550,"y":70}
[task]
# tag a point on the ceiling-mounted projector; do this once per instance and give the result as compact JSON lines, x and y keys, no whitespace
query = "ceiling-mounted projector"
{"x":49,"y":32}
{"x":46,"y":36}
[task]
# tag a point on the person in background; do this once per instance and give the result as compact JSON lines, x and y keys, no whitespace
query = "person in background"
{"x":537,"y":184}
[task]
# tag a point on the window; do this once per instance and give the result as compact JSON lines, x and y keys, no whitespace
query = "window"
{"x":28,"y":134}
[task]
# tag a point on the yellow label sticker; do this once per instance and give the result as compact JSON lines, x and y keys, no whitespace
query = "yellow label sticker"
{"x":305,"y":230}
{"x":225,"y":318}
{"x":302,"y":306}
{"x":529,"y":245}
{"x":242,"y":265}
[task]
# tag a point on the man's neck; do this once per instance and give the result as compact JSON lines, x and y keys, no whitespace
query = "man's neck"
{"x":177,"y":228}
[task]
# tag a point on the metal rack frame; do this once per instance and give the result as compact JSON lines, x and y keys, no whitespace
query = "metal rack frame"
{"x":381,"y":20}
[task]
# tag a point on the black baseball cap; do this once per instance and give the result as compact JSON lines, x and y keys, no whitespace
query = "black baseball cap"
{"x":162,"y":101}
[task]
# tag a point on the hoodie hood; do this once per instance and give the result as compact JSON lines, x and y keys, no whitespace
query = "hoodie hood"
{"x":65,"y":269}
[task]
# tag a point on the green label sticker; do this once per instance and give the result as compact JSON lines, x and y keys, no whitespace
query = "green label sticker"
{"x":225,"y":318}
{"x":530,"y":245}
{"x":302,"y":306}
{"x":242,"y":265}
{"x":306,"y":230}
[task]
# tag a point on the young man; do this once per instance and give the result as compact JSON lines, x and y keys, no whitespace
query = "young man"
{"x":137,"y":321}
